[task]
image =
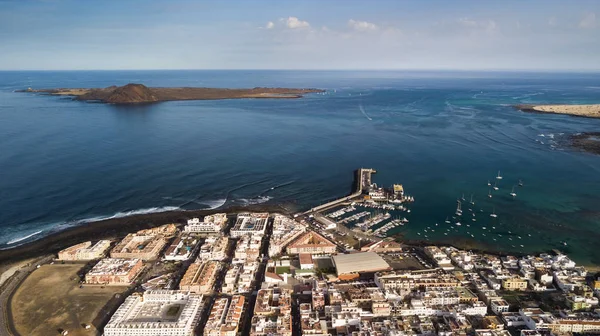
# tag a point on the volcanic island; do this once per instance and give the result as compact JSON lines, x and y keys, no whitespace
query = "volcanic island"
{"x":141,"y":94}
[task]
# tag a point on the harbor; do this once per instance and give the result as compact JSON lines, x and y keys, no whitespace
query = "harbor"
{"x":371,"y":211}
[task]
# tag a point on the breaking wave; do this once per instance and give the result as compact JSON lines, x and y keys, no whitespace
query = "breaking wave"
{"x":23,"y":238}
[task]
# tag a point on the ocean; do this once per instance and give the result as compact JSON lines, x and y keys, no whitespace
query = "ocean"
{"x":440,"y":134}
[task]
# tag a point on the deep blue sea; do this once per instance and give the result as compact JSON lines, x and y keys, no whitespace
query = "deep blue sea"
{"x":441,"y":134}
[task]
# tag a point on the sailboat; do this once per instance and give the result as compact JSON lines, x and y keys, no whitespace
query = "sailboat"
{"x":513,"y":193}
{"x":458,"y":209}
{"x":499,"y":177}
{"x":490,"y":194}
{"x":473,"y":203}
{"x":496,"y":186}
{"x":489,"y":184}
{"x":447,"y":221}
{"x":493,"y":214}
{"x":520,"y":183}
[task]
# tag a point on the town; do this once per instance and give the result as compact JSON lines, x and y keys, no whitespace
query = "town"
{"x":258,"y":274}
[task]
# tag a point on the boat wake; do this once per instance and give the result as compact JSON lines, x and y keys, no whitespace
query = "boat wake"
{"x":277,"y":186}
{"x":364,"y":113}
{"x":14,"y":241}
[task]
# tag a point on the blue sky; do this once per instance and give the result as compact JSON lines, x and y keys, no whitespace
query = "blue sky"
{"x":236,"y":34}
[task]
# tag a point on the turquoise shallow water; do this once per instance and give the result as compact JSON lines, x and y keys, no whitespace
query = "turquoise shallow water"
{"x":440,"y":134}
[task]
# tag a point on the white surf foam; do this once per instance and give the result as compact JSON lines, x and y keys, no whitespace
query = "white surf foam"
{"x":255,"y":200}
{"x":23,"y":238}
{"x":130,"y":213}
{"x":215,"y":204}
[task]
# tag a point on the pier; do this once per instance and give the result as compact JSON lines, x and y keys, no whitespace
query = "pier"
{"x":362,"y":183}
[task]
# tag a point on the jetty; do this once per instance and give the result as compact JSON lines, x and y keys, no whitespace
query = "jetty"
{"x":362,"y":183}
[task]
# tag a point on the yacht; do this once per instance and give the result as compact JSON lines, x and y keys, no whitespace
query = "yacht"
{"x":458,"y":224}
{"x":493,"y":214}
{"x":458,"y":209}
{"x":499,"y":177}
{"x":513,"y":193}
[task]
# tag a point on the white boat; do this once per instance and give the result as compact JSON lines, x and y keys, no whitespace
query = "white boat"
{"x":472,"y":203}
{"x":493,"y":214}
{"x":499,"y":177}
{"x":458,"y":209}
{"x":513,"y":193}
{"x":489,"y":184}
{"x":458,"y":224}
{"x":463,"y":197}
{"x":496,"y":186}
{"x":565,"y":243}
{"x":520,"y":183}
{"x":490,"y":194}
{"x":474,"y":219}
{"x":447,"y":221}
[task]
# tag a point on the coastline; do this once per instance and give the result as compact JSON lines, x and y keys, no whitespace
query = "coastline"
{"x":116,"y":228}
{"x":577,"y":110}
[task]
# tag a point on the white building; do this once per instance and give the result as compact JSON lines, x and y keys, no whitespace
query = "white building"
{"x":210,"y":224}
{"x":499,"y":306}
{"x":160,"y":312}
{"x":250,"y":223}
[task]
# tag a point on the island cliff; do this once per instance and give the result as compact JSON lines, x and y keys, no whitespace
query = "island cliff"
{"x":140,"y":94}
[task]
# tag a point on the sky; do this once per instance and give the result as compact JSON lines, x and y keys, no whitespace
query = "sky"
{"x":313,"y":34}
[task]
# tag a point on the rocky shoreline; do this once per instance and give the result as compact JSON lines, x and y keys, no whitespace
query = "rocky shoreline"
{"x":141,"y":94}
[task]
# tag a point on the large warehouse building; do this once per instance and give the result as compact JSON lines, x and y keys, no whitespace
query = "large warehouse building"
{"x":349,"y":266}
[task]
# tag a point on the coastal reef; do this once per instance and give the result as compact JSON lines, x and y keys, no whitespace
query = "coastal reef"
{"x":588,"y":142}
{"x":141,"y":94}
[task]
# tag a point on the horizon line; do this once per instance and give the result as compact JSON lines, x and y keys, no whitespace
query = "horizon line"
{"x":318,"y":69}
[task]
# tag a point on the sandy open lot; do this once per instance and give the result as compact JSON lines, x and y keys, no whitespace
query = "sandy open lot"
{"x":50,"y":300}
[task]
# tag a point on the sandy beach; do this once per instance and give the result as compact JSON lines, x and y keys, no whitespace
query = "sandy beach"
{"x":588,"y":111}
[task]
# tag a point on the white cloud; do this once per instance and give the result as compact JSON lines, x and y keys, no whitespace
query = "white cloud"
{"x":293,"y":22}
{"x":362,"y":25}
{"x":588,"y":21}
{"x":270,"y":25}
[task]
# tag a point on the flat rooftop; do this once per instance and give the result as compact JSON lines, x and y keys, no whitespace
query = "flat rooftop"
{"x":359,"y":262}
